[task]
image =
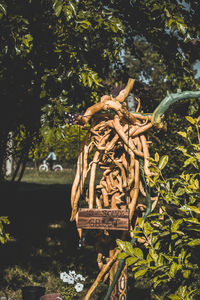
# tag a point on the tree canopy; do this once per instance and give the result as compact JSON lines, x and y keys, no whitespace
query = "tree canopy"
{"x":62,"y":55}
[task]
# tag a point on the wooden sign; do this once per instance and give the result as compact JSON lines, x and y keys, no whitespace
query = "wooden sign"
{"x":110,"y":219}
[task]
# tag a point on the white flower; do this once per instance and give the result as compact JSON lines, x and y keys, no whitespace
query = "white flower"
{"x":62,"y":275}
{"x":79,"y":277}
{"x":73,"y":278}
{"x":79,"y":287}
{"x":72,"y":273}
{"x":66,"y":278}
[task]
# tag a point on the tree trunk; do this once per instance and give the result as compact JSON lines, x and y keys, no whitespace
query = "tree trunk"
{"x":16,"y":170}
{"x":3,"y":149}
{"x":9,"y":159}
{"x":22,"y":170}
{"x":23,"y":160}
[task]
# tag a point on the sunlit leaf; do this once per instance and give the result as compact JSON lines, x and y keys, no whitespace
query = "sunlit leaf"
{"x":131,"y":260}
{"x":186,"y":273}
{"x":140,"y":273}
{"x":193,"y":243}
{"x":137,"y":252}
{"x":183,"y":134}
{"x":173,"y":269}
{"x":189,"y":161}
{"x":58,"y":4}
{"x":191,"y":120}
{"x":163,"y":161}
{"x":175,"y":225}
{"x":180,"y":191}
{"x":122,"y":255}
{"x":156,"y":157}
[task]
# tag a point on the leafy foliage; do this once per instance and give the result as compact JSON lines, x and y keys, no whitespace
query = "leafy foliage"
{"x":3,"y":236}
{"x":57,"y":56}
{"x":66,"y":142}
{"x":171,"y":235}
{"x":53,"y":54}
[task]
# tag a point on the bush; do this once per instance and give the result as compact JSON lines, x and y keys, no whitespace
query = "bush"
{"x":170,"y":255}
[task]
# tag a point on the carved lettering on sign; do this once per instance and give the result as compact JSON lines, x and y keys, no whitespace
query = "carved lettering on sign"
{"x":103,"y":219}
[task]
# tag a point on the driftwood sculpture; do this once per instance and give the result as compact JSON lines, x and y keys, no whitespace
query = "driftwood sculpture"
{"x":118,"y":141}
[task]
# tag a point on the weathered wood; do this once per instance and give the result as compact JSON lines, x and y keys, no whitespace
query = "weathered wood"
{"x":122,"y":284}
{"x":110,"y":219}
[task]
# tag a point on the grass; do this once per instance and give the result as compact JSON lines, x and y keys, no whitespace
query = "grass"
{"x":64,"y":177}
{"x":43,"y":241}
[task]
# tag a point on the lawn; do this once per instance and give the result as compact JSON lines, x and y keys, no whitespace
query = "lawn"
{"x":43,"y":241}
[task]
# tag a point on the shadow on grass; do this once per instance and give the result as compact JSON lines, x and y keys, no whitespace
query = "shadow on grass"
{"x":43,"y":239}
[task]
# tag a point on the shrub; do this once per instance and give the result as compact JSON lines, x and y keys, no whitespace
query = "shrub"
{"x":170,"y":254}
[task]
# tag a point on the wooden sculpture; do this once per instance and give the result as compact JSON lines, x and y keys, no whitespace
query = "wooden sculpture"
{"x":118,"y":144}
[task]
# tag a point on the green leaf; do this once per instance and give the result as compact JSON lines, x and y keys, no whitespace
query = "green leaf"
{"x":182,"y":254}
{"x":170,"y":22}
{"x":73,"y":7}
{"x":85,"y":24}
{"x":183,"y":134}
{"x":125,"y":246}
{"x":149,"y":258}
{"x":3,"y":8}
{"x":193,"y":243}
{"x":189,"y":161}
{"x":180,"y":191}
{"x":182,"y":290}
{"x":182,"y":149}
{"x":181,"y":27}
{"x":173,"y":269}
{"x":156,"y":157}
{"x":27,"y":39}
{"x":174,"y":236}
{"x":58,"y":4}
{"x":186,"y":273}
{"x":175,"y":225}
{"x":131,"y":260}
{"x":122,"y":255}
{"x":157,"y":245}
{"x":157,"y":282}
{"x":163,"y":161}
{"x":153,"y":254}
{"x":196,"y":183}
{"x":90,"y":81}
{"x":84,"y":77}
{"x":137,"y":252}
{"x":148,"y":228}
{"x":191,"y":120}
{"x":174,"y":297}
{"x":194,"y":209}
{"x":134,"y":268}
{"x":140,"y":273}
{"x":192,"y":220}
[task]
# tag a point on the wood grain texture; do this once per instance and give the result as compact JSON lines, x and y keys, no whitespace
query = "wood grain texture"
{"x":110,"y":219}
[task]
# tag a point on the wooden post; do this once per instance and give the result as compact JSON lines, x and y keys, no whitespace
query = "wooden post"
{"x":122,"y":284}
{"x":120,"y":290}
{"x":114,"y":294}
